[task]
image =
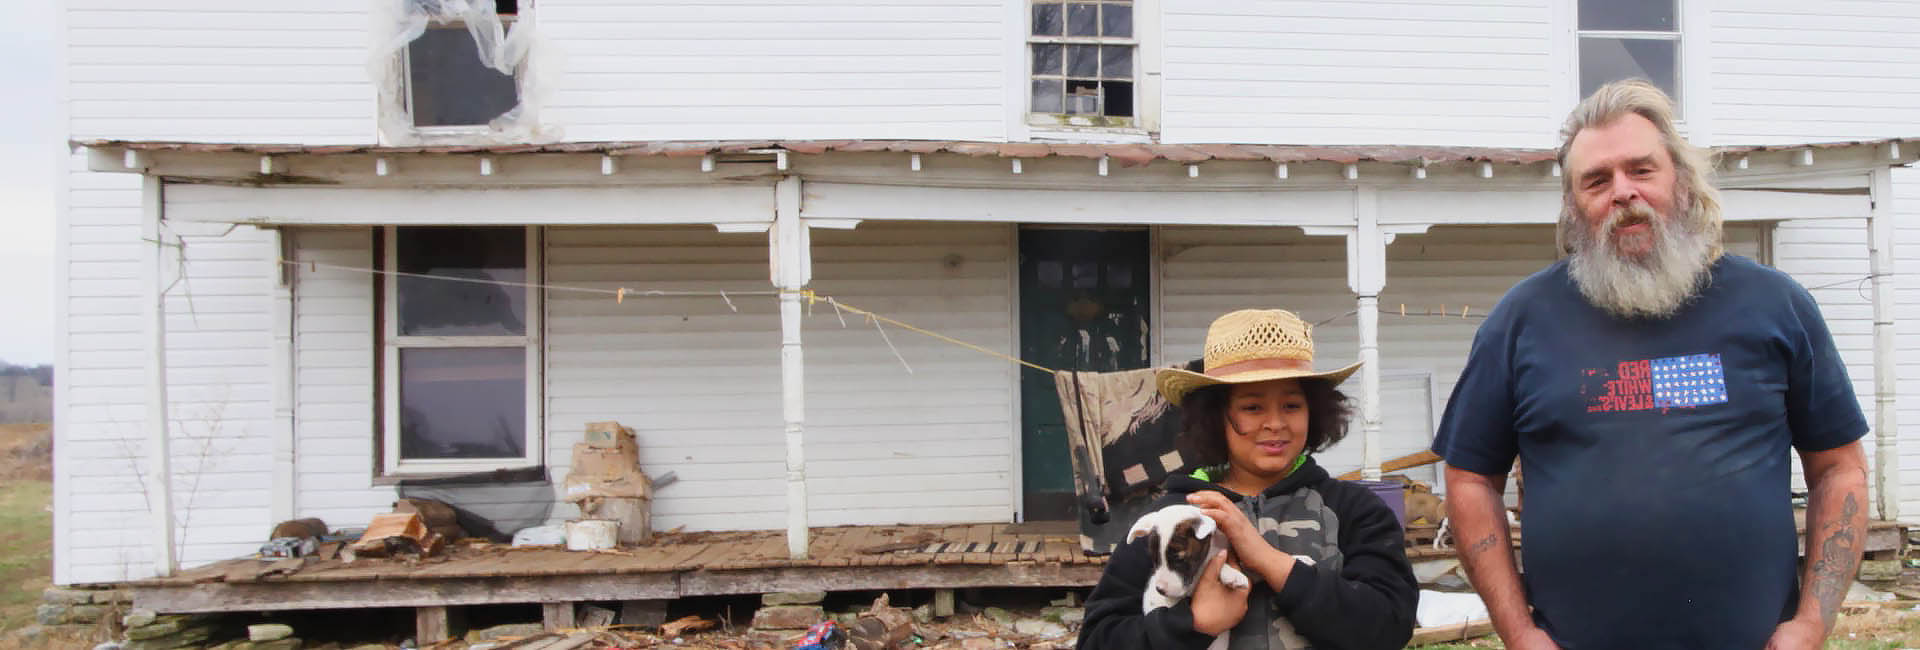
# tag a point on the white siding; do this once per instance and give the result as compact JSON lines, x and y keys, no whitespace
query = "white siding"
{"x":1906,"y":313}
{"x":1457,"y":72}
{"x":885,"y":445}
{"x":213,"y":70}
{"x":220,"y":70}
{"x":699,"y":383}
{"x":216,"y":374}
{"x":735,"y":69}
{"x":334,"y":417}
{"x":1786,"y":71}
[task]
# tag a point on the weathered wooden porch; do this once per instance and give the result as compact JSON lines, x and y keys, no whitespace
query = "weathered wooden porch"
{"x":673,"y":565}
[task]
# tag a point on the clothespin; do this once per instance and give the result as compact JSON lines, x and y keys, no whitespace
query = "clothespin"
{"x":620,"y":295}
{"x":1403,"y":309}
{"x":723,"y":296}
{"x":1463,"y":311}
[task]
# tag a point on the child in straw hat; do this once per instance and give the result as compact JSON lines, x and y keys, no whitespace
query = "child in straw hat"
{"x":1325,"y":556}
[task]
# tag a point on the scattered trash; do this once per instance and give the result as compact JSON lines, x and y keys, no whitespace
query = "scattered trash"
{"x":397,"y":534}
{"x":551,"y":535}
{"x":823,"y":636}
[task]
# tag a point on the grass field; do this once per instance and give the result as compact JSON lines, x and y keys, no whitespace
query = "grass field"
{"x":26,"y":525}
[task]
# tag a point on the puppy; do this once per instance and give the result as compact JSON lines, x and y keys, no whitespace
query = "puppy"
{"x":1181,"y":541}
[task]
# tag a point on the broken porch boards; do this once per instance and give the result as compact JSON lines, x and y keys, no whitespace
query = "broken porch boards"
{"x":840,"y":559}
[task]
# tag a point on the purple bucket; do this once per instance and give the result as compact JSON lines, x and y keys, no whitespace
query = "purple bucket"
{"x":1391,"y":494}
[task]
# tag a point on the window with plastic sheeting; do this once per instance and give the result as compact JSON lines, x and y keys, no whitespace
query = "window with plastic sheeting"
{"x":1627,"y":39}
{"x":456,"y":70}
{"x":1083,"y":59}
{"x":461,"y":353}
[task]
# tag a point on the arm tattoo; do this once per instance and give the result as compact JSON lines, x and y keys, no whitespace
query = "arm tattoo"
{"x":1837,"y":555}
{"x":1482,"y":545}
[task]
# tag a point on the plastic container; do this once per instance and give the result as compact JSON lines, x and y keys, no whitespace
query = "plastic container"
{"x":592,"y":534}
{"x":1390,"y":493}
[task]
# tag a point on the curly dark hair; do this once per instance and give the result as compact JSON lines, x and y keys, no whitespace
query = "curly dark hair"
{"x":1204,"y":415}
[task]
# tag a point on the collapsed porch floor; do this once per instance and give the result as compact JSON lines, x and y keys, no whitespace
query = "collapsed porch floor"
{"x":675,"y":565}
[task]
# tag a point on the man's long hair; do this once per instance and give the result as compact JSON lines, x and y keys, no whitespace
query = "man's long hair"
{"x":1694,"y":194}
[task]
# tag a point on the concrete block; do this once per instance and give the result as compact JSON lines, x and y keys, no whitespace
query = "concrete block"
{"x":788,"y":617}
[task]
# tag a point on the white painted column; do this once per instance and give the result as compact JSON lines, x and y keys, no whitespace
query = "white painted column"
{"x":1367,"y":275}
{"x":792,"y":270}
{"x":1886,"y":460}
{"x":280,"y":297}
{"x":154,"y":310}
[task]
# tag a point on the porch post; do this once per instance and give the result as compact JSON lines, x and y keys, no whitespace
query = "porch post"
{"x":1367,"y":275}
{"x":1886,"y":461}
{"x":280,"y":297}
{"x":153,"y":306}
{"x":791,"y":272}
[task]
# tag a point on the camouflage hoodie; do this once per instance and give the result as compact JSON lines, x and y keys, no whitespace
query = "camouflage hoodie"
{"x":1358,"y":594}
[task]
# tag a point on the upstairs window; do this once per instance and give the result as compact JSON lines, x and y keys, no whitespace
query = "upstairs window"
{"x":1625,"y":39}
{"x":1083,"y":58}
{"x":462,"y":351}
{"x":461,"y":71}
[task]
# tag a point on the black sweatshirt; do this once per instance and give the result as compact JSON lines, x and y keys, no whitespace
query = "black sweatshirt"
{"x":1358,"y":595}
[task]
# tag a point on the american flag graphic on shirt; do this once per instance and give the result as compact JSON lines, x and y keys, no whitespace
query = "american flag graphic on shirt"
{"x":1690,"y":381}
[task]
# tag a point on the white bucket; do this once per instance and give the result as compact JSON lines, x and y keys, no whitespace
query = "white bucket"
{"x":592,"y":534}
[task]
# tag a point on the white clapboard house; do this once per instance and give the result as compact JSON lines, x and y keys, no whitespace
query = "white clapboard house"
{"x":1082,"y":184}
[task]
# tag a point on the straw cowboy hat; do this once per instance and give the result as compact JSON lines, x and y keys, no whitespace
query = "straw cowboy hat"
{"x":1247,"y":346}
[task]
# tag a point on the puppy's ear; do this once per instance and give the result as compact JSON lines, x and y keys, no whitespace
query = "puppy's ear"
{"x":1204,"y":527}
{"x":1141,"y":527}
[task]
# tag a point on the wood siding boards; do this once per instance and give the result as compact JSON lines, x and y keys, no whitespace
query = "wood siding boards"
{"x":834,"y":69}
{"x":334,"y":380}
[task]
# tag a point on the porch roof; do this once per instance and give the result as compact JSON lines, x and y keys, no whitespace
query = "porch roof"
{"x":1126,"y":154}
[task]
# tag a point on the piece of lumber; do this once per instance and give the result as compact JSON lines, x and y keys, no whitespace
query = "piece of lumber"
{"x":1408,"y":461}
{"x":1443,"y":633}
{"x":557,"y":616}
{"x":435,"y":624}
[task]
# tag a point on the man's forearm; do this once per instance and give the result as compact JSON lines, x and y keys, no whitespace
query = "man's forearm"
{"x":1836,"y":537}
{"x":1477,"y":513}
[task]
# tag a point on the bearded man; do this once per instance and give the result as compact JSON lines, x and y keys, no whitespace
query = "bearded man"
{"x":1651,"y":386}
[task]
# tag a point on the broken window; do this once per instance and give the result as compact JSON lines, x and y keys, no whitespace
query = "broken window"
{"x":461,"y":336}
{"x":1626,"y":39}
{"x":1083,"y":57}
{"x":453,"y":65}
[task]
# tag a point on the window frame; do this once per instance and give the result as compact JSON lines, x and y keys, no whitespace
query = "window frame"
{"x":391,"y":343}
{"x":1138,"y":122}
{"x":1681,"y":93}
{"x":405,"y":60}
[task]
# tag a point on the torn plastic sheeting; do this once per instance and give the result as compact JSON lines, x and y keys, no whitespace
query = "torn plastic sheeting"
{"x":497,"y":46}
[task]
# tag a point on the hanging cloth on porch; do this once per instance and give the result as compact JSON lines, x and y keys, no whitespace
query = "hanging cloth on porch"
{"x":1125,"y":441}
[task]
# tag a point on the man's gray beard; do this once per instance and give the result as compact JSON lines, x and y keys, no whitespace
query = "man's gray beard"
{"x":1654,"y":286}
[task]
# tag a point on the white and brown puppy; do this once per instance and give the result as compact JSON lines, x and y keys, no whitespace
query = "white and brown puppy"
{"x":1181,"y":541}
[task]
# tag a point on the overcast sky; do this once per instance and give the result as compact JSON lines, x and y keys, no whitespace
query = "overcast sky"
{"x":31,"y":140}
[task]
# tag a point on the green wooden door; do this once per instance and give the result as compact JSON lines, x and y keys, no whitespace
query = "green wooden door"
{"x":1084,"y":301}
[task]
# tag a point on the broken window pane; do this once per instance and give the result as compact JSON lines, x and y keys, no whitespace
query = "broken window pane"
{"x":1046,"y":19}
{"x":431,"y":307}
{"x":1083,"y":19}
{"x":1116,"y":20}
{"x":1046,"y":59}
{"x":1118,"y":96}
{"x":1083,"y":60}
{"x":1116,"y":62}
{"x":1083,"y":97}
{"x":1627,"y":15}
{"x":463,"y":403}
{"x":1046,"y":96}
{"x":1611,"y":59}
{"x":448,"y":86}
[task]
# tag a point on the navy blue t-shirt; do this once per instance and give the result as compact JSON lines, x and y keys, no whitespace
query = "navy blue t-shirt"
{"x":1655,"y":452}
